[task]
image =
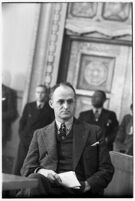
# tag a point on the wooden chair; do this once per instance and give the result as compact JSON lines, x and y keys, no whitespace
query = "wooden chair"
{"x":12,"y":183}
{"x":122,"y":182}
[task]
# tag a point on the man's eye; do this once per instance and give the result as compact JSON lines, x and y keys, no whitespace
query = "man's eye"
{"x":61,"y":102}
{"x":70,"y":101}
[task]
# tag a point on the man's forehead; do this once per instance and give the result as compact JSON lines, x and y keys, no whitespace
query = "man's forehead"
{"x":64,"y":92}
{"x":40,"y":89}
{"x":63,"y":89}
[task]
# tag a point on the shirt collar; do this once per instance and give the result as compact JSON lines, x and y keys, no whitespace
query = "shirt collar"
{"x":97,"y":109}
{"x":67,"y":123}
{"x":41,"y":104}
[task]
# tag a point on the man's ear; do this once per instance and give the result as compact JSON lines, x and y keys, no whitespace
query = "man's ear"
{"x":51,"y":103}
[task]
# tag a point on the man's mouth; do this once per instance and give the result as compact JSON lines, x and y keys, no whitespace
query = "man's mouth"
{"x":65,"y":112}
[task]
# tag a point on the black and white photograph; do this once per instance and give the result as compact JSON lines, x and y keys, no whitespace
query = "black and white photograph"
{"x":67,"y":99}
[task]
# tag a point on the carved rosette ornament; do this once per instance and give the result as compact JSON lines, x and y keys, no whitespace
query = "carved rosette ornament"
{"x":95,"y":73}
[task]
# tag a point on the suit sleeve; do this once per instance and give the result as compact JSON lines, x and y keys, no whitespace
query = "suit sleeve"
{"x":81,"y":117}
{"x":11,"y":113}
{"x":31,"y":161}
{"x":122,"y":131}
{"x":23,"y":120}
{"x":105,"y":170}
{"x":112,"y":128}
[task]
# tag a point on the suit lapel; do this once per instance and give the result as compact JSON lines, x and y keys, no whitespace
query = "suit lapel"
{"x":49,"y":138}
{"x":79,"y":141}
{"x":91,"y":116}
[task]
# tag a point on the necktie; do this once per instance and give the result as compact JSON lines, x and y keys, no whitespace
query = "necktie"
{"x":39,"y":106}
{"x":96,"y":115}
{"x":62,"y":132}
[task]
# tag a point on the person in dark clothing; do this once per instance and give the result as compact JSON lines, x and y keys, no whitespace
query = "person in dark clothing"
{"x":104,"y":118}
{"x":36,"y":115}
{"x":9,"y":112}
{"x":64,"y":146}
{"x":124,"y":138}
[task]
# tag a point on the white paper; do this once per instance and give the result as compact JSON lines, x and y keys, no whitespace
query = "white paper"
{"x":69,"y":179}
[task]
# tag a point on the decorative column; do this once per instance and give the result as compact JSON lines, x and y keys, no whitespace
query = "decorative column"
{"x":55,"y":43}
{"x":40,"y":52}
{"x":48,"y":46}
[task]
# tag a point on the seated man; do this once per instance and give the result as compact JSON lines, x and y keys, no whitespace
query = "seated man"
{"x":124,"y":139}
{"x":66,"y":145}
{"x":104,"y":118}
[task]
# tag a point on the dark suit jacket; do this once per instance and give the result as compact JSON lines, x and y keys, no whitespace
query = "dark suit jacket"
{"x":9,"y":111}
{"x":107,"y":121}
{"x":98,"y":169}
{"x":32,"y":119}
{"x":124,"y":141}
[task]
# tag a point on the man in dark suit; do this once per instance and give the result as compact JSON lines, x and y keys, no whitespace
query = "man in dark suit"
{"x":36,"y":115}
{"x":9,"y":112}
{"x":124,"y":139}
{"x":104,"y":118}
{"x":67,"y":145}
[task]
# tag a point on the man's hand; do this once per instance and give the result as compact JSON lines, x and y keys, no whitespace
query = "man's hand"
{"x":87,"y":187}
{"x":47,"y":173}
{"x":50,"y":174}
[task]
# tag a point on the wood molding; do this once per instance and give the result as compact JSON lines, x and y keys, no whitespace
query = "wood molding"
{"x":86,"y":26}
{"x":55,"y":43}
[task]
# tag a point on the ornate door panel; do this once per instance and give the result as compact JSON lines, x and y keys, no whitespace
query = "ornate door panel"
{"x":94,"y":65}
{"x":97,"y":53}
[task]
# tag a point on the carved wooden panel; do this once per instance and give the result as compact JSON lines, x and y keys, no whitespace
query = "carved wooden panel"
{"x":116,"y":11}
{"x":85,"y":9}
{"x":93,"y":66}
{"x":95,"y":72}
{"x":113,"y":19}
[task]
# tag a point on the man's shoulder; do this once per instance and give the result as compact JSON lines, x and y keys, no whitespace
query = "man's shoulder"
{"x":30,"y":104}
{"x":127,"y":117}
{"x":45,"y":128}
{"x":86,"y":112}
{"x":8,"y":90}
{"x":87,"y":126}
{"x":93,"y":131}
{"x":110,"y":112}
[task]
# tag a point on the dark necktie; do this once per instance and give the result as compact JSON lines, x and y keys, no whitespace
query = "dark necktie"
{"x":62,"y":132}
{"x":96,"y":115}
{"x":39,"y":106}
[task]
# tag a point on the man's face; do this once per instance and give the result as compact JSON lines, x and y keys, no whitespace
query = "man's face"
{"x":40,"y":94}
{"x":63,"y":103}
{"x":97,"y":99}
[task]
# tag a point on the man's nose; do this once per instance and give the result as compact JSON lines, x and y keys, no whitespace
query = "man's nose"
{"x":65,"y":105}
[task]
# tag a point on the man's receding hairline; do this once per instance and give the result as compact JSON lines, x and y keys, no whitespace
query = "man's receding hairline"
{"x":41,"y":86}
{"x":101,"y":92}
{"x":64,"y":86}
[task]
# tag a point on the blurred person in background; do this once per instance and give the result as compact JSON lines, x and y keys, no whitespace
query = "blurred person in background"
{"x":36,"y":114}
{"x":124,"y":139}
{"x":9,"y":112}
{"x":104,"y":118}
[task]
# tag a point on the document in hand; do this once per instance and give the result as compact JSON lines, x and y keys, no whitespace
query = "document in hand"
{"x":69,"y":179}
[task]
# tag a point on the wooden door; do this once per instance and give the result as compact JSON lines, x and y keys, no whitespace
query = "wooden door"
{"x":91,"y":65}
